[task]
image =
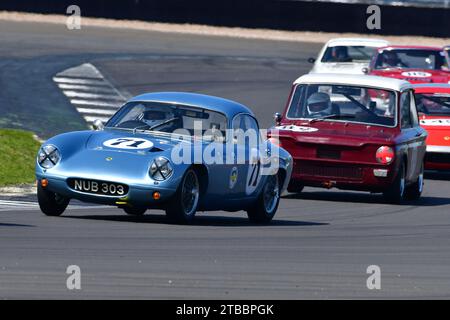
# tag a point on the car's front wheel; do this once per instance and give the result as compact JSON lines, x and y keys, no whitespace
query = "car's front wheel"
{"x":414,"y":191}
{"x":396,"y":191}
{"x":266,"y":205}
{"x":184,"y":205}
{"x":51,"y":204}
{"x":134,"y":211}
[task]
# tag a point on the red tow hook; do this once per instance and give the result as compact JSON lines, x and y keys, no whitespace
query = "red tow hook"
{"x":329,"y":184}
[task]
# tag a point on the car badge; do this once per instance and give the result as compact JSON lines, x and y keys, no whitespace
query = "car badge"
{"x":109,"y":159}
{"x":447,"y":138}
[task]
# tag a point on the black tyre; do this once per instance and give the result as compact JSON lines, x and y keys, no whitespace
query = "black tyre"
{"x":51,"y":204}
{"x":295,"y":187}
{"x":414,"y":191}
{"x":134,"y":211}
{"x":184,"y":205}
{"x":266,"y":205}
{"x":396,"y":192}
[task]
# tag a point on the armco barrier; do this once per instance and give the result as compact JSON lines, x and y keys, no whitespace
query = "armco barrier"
{"x":272,"y":14}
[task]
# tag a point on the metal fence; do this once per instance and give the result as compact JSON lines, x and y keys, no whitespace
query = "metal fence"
{"x":400,"y":3}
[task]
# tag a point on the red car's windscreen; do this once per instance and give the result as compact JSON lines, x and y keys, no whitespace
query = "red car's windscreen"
{"x":325,"y":102}
{"x":433,"y":104}
{"x":411,"y":59}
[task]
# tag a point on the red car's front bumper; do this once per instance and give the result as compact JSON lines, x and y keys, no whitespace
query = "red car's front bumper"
{"x":350,"y":176}
{"x":437,"y":158}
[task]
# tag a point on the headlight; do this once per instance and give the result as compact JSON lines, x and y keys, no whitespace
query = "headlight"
{"x":48,"y":156}
{"x":161,"y":169}
{"x":385,"y":155}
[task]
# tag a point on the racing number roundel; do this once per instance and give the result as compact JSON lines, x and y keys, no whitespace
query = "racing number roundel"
{"x":128,"y":143}
{"x":253,"y":177}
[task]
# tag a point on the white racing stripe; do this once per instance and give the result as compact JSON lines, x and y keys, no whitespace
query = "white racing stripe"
{"x":90,"y":93}
{"x":79,"y":81}
{"x":11,"y":205}
{"x":92,"y":119}
{"x":96,"y":111}
{"x":78,"y":94}
{"x":64,"y":86}
{"x":98,"y":103}
{"x":18,"y":203}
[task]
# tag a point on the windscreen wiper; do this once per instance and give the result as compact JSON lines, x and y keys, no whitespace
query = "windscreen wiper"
{"x":162,"y":123}
{"x":332,"y":116}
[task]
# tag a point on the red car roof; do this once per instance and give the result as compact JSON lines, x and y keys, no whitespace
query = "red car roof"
{"x":411,"y":47}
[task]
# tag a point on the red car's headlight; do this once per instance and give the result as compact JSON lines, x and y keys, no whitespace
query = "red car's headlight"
{"x":385,"y":155}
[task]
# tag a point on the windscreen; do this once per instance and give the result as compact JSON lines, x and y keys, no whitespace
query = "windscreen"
{"x":411,"y":59}
{"x":433,"y":104}
{"x":325,"y":102}
{"x":165,"y":117}
{"x":361,"y":54}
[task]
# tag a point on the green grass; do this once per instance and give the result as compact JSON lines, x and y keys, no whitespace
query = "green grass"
{"x":18,"y":151}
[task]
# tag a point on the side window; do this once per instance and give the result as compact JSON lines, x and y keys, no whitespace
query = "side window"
{"x":246,"y":125}
{"x":414,"y":115}
{"x":405,"y":110}
{"x":251,"y":124}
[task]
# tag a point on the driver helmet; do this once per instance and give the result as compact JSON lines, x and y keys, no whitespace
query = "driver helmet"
{"x":340,"y":53}
{"x":390,"y":58}
{"x":319,"y":104}
{"x":154,"y":117}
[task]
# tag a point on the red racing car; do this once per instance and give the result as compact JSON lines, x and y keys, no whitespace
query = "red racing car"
{"x":433,"y":103}
{"x":354,"y":132}
{"x":416,"y":64}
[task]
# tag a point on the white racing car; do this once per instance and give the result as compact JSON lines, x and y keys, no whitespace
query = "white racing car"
{"x":346,"y":55}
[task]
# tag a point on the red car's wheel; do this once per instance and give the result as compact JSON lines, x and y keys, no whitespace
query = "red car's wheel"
{"x":396,"y":192}
{"x":414,"y":191}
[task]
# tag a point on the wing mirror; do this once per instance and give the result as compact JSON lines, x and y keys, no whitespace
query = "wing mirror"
{"x":277,"y":118}
{"x":98,"y":125}
{"x":311,"y":60}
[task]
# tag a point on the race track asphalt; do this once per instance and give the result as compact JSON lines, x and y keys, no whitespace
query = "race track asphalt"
{"x":318,"y":246}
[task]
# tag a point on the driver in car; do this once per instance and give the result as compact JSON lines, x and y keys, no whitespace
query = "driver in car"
{"x":391,"y":60}
{"x":319,"y":105}
{"x":162,"y":120}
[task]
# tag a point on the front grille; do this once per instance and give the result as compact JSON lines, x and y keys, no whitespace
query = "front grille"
{"x":437,"y":157}
{"x":329,"y":171}
{"x":327,"y":153}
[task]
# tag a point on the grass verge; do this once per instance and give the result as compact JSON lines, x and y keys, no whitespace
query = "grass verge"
{"x":18,"y":150}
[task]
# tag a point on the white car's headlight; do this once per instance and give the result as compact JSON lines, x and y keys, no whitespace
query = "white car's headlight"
{"x":48,"y":156}
{"x":161,"y":169}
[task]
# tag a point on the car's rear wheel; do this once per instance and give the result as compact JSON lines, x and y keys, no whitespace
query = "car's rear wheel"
{"x":51,"y":204}
{"x":183,"y":207}
{"x":135,"y":211}
{"x":396,"y":191}
{"x":266,"y":205}
{"x":414,"y":191}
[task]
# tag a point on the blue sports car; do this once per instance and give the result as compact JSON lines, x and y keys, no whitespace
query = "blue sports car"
{"x":181,"y":152}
